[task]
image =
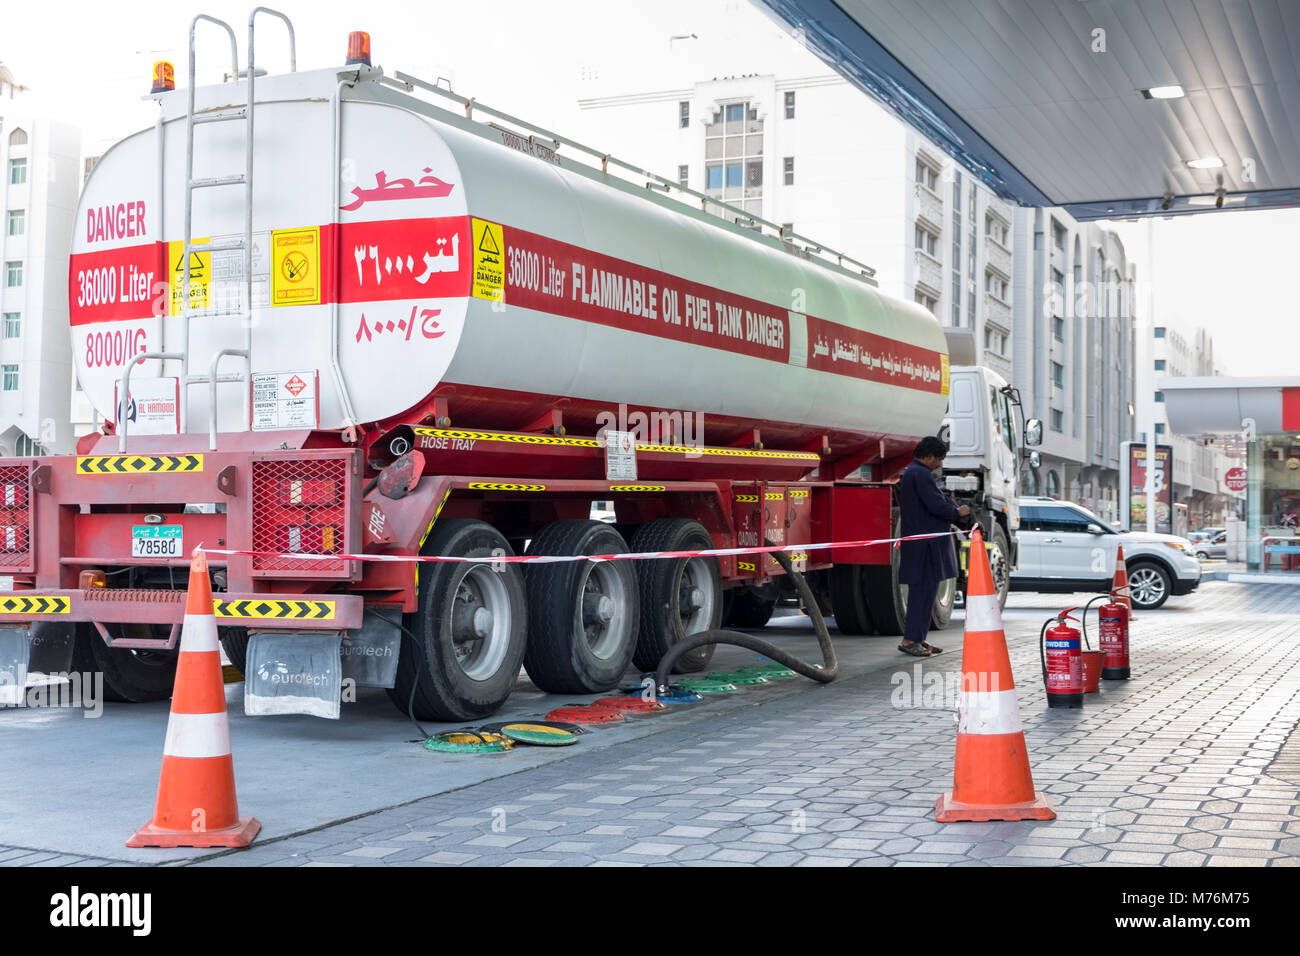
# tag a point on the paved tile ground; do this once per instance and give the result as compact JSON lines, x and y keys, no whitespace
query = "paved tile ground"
{"x":1170,"y":768}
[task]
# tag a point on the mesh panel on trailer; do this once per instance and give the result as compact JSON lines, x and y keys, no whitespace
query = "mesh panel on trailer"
{"x":15,"y":516}
{"x":299,"y":507}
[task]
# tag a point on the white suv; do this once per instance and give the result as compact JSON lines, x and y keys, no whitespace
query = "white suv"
{"x":1065,"y":548}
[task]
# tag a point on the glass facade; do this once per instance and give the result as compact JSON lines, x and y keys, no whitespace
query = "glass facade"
{"x":1273,"y":503}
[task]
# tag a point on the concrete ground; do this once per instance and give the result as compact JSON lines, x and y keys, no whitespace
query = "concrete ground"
{"x":1193,"y":762}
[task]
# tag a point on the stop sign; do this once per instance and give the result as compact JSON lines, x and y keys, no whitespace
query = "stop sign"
{"x":1235,"y":479}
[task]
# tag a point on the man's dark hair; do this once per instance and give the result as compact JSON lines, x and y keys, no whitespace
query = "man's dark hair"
{"x":930,"y":447}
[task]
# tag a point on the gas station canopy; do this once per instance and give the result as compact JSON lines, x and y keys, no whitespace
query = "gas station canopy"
{"x":1109,"y":108}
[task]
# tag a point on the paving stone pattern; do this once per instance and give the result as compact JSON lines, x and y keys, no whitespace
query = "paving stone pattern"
{"x":1170,"y":768}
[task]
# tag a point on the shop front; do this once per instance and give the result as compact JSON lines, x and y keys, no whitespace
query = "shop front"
{"x":1260,"y":419}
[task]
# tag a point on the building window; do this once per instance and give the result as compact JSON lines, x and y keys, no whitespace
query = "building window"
{"x":926,"y":241}
{"x":1160,"y":396}
{"x":684,"y":114}
{"x":1160,"y":331}
{"x":18,"y":138}
{"x":1058,"y":328}
{"x":956,"y":197}
{"x":1058,"y":236}
{"x":787,"y":169}
{"x":13,"y":325}
{"x":733,"y":153}
{"x":927,"y":175}
{"x":10,"y":378}
{"x":789,"y":105}
{"x":995,"y":285}
{"x":1160,"y":365}
{"x":1160,"y":426}
{"x":17,"y":172}
{"x":1058,"y":375}
{"x":929,"y":301}
{"x":17,"y":222}
{"x":683,"y":175}
{"x":13,"y":274}
{"x":1058,"y":420}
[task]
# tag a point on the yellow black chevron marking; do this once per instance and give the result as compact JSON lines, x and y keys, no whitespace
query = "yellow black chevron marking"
{"x":775,"y":496}
{"x":745,"y":566}
{"x":509,"y":437}
{"x":137,"y":464}
{"x":696,"y":450}
{"x":36,"y":604}
{"x":746,"y":497}
{"x":503,"y":486}
{"x":265,"y":608}
{"x":798,"y":492}
{"x":638,"y":488}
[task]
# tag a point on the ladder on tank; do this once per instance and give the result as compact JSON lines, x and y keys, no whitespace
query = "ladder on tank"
{"x":243,"y":243}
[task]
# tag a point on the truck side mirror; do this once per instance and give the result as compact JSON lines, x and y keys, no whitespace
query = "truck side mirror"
{"x":1034,"y":432}
{"x":1035,"y":459}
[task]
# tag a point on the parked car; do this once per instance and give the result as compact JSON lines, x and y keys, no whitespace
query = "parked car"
{"x":1211,"y":546}
{"x":1064,"y":548}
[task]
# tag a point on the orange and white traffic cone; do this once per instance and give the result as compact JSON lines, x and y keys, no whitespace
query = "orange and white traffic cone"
{"x":196,"y":791}
{"x":991,"y":778}
{"x":1119,"y":583}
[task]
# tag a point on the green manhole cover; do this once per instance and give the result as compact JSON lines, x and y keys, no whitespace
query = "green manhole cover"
{"x":468,"y":742}
{"x":706,"y":686}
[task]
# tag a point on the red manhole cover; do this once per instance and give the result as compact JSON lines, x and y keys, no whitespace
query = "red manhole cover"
{"x":295,"y":386}
{"x":630,"y":705}
{"x":586,"y":715}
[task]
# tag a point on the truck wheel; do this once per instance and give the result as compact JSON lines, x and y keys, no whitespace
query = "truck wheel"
{"x":943,"y":604}
{"x":234,"y":641}
{"x":130,"y":676}
{"x":1000,"y":563}
{"x":1148,"y":585}
{"x":745,"y":607}
{"x":849,"y":604}
{"x":679,"y":596}
{"x":583,"y":616}
{"x":470,"y":627}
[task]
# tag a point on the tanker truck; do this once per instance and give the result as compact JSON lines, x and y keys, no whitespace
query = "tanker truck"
{"x":334,"y":320}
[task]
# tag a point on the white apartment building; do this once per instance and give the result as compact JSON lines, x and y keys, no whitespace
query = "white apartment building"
{"x":1198,"y":467}
{"x":40,"y":164}
{"x":1073,"y":355}
{"x":810,"y":154}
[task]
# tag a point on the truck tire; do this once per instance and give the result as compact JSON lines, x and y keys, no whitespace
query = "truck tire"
{"x":130,"y":676}
{"x":583,"y":617}
{"x":1149,"y":585}
{"x":668,"y":612}
{"x":1000,"y":563}
{"x":234,"y":641}
{"x":470,"y":627}
{"x":744,"y":607}
{"x":849,"y":604}
{"x":943,"y":604}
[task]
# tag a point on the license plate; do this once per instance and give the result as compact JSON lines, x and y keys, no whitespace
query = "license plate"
{"x":157,"y":541}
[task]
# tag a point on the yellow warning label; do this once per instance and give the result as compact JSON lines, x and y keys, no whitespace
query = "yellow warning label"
{"x":295,"y":266}
{"x":489,"y":261}
{"x":943,"y":375}
{"x":200,"y":273}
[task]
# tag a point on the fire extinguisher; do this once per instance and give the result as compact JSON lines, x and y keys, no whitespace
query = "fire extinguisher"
{"x":1113,"y":620}
{"x":1062,"y":661}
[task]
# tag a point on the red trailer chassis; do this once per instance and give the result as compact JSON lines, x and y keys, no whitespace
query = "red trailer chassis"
{"x":278,"y":495}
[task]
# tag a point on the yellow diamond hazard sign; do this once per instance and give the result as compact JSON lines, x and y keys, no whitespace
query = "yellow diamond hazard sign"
{"x":489,"y":261}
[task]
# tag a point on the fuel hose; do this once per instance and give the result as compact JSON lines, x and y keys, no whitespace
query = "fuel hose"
{"x":823,"y":673}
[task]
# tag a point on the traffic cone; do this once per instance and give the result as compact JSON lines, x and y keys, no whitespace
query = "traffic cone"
{"x":196,"y":791}
{"x":991,"y":778}
{"x":1119,"y":583}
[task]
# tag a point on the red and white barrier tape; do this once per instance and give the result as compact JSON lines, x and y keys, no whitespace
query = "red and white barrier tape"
{"x":555,"y":558}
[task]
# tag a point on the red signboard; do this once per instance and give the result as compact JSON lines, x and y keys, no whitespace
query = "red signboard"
{"x":1163,"y":488}
{"x":1235,"y":479}
{"x":1291,"y":409}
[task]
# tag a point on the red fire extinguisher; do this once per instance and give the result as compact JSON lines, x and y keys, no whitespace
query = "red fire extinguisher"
{"x":1114,"y":618}
{"x":1062,"y":661}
